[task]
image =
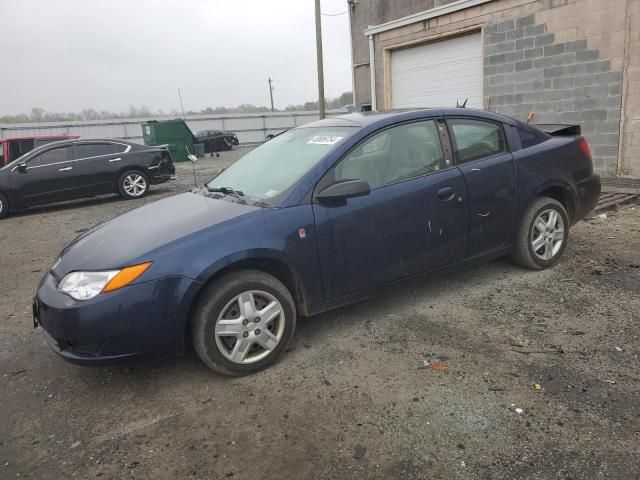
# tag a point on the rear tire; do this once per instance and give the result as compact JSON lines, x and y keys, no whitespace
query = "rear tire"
{"x":4,"y":206}
{"x":255,"y":311}
{"x":133,"y":184}
{"x":542,"y":236}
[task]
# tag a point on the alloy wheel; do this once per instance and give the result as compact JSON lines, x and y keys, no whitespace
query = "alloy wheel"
{"x":250,"y":327}
{"x":547,"y":234}
{"x":135,"y":185}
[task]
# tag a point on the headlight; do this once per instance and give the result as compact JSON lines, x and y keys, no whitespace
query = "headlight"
{"x":87,"y":285}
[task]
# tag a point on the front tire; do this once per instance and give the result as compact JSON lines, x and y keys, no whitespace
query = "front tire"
{"x":243,"y":323}
{"x":4,"y":206}
{"x":542,"y":236}
{"x":133,"y":184}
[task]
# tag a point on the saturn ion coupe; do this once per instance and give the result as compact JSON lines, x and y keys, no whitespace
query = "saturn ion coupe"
{"x":320,"y":216}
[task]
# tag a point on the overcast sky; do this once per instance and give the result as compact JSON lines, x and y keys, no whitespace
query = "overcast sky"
{"x":67,"y":55}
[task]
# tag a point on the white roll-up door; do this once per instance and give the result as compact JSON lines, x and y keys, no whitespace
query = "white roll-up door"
{"x":438,"y":74}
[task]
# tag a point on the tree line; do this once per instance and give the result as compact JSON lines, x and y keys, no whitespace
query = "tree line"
{"x":38,"y":114}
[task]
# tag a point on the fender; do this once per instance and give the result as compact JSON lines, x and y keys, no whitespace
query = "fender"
{"x":200,"y":282}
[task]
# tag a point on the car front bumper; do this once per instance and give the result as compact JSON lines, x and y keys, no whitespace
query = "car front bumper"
{"x":138,"y":320}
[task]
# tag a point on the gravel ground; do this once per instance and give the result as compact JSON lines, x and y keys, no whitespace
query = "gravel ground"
{"x":352,"y":398}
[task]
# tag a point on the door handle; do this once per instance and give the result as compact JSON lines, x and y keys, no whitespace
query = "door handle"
{"x":446,"y":194}
{"x":115,"y":160}
{"x":66,"y":169}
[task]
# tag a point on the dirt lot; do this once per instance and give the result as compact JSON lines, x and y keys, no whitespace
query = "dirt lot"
{"x":351,"y":399}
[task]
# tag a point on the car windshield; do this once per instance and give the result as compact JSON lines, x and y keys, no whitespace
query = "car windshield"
{"x":275,"y":166}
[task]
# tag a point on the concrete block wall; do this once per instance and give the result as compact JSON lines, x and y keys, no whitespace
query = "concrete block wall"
{"x":526,"y":69}
{"x":577,"y":61}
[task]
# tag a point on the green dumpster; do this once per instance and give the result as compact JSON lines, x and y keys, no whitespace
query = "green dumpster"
{"x":176,"y":134}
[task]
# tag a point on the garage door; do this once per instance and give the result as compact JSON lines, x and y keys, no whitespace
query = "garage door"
{"x":438,"y":74}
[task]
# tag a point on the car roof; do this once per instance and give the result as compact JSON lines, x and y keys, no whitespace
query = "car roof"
{"x":364,"y":119}
{"x":62,"y":136}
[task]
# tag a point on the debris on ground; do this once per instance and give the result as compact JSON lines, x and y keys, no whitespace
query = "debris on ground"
{"x":359,"y":452}
{"x":620,"y":349}
{"x":434,"y":364}
{"x":537,"y":387}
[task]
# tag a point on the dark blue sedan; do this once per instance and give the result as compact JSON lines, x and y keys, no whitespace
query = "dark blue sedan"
{"x":318,"y":217}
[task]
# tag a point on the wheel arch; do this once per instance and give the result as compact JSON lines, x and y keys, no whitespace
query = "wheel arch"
{"x":268,"y":262}
{"x":560,"y":191}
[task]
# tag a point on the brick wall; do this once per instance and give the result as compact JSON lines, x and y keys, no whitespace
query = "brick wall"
{"x":527,"y":70}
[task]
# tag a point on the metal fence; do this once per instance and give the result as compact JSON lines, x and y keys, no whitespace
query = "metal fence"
{"x":250,"y":128}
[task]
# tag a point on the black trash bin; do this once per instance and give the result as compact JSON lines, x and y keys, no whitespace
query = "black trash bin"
{"x":199,"y":148}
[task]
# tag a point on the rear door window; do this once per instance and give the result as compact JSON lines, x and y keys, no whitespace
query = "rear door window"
{"x":474,"y":139}
{"x":86,"y":150}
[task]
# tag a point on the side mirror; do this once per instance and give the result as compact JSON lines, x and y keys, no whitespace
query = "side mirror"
{"x":22,"y":168}
{"x":344,"y":190}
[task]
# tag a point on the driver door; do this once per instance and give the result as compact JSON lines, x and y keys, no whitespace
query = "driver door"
{"x":415,"y":217}
{"x":48,"y":177}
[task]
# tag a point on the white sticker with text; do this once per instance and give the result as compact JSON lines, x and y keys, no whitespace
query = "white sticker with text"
{"x":324,"y":140}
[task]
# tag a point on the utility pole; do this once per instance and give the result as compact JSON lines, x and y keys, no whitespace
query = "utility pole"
{"x":320,"y":65}
{"x":181,"y":107}
{"x":271,"y":92}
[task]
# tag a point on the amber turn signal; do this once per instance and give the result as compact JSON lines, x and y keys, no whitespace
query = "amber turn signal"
{"x":126,"y":276}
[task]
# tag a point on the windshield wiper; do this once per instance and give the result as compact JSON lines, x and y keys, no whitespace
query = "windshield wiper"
{"x":230,"y":192}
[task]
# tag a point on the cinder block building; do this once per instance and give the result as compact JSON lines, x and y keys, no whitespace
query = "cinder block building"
{"x":567,"y":61}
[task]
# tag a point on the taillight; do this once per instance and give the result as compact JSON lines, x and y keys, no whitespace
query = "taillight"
{"x":584,"y":146}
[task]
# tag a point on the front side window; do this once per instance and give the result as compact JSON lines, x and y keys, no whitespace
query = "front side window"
{"x":55,"y":155}
{"x":395,"y":154}
{"x":85,"y":150}
{"x":474,"y":139}
{"x":275,"y":166}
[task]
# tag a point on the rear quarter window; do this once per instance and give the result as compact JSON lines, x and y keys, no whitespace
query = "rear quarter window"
{"x":528,"y":139}
{"x":474,"y":139}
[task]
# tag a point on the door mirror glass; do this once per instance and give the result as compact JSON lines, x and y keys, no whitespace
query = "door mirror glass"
{"x":344,"y":190}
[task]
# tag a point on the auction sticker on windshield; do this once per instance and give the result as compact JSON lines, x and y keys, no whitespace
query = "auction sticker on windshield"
{"x":324,"y":140}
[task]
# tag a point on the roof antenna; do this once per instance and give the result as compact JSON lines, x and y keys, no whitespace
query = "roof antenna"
{"x":464,"y":105}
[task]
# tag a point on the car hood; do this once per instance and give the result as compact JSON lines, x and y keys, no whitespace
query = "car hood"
{"x":122,"y":240}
